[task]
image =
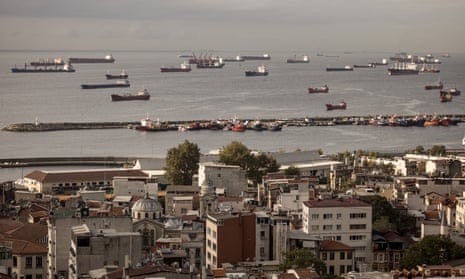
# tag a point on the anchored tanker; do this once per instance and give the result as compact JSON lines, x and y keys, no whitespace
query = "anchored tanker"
{"x":106,"y":59}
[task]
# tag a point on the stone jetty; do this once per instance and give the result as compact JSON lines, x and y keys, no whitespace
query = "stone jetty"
{"x":378,"y":120}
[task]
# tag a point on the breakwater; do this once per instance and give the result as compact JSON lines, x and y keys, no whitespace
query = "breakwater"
{"x":107,"y":161}
{"x":451,"y":119}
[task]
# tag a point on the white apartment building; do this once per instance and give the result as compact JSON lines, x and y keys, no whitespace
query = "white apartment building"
{"x":348,"y":221}
{"x":460,"y":214}
{"x":232,"y":179}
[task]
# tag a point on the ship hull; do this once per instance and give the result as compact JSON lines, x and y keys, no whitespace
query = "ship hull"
{"x":117,"y":98}
{"x":174,"y":70}
{"x":97,"y":86}
{"x":19,"y":70}
{"x":333,"y":107}
{"x":339,"y":69}
{"x":396,"y":72}
{"x":75,"y":60}
{"x":116,"y":76}
{"x":255,"y":74}
{"x":297,"y":61}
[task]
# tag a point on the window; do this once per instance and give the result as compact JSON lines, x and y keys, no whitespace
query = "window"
{"x":328,"y":216}
{"x":357,"y":237}
{"x":209,"y":243}
{"x":338,"y":216}
{"x":327,"y":227}
{"x":342,"y":269}
{"x":324,"y":256}
{"x":28,"y":262}
{"x":315,"y":227}
{"x":342,"y":256}
{"x":331,"y":255}
{"x":338,"y":237}
{"x":262,"y":234}
{"x":314,"y":216}
{"x":15,"y":261}
{"x":358,"y":226}
{"x":214,"y":246}
{"x":28,"y":276}
{"x":331,"y":269}
{"x":338,"y":227}
{"x":38,"y":261}
{"x":262,"y":251}
{"x":357,"y":215}
{"x":349,"y":268}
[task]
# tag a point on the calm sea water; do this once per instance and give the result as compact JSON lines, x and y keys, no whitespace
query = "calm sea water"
{"x":221,"y":93}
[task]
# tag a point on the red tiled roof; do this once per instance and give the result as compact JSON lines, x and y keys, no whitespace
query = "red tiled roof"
{"x":28,"y":232}
{"x":432,"y":215}
{"x":286,"y":276}
{"x":306,"y":273}
{"x":7,"y":224}
{"x":336,"y":203}
{"x":88,"y":175}
{"x":218,"y":272}
{"x":333,"y":245}
{"x":23,"y":247}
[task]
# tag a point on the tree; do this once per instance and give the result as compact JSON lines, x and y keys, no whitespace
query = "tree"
{"x":437,"y":150}
{"x":256,"y":166}
{"x":302,"y":258}
{"x":432,"y":250}
{"x":182,"y":163}
{"x":292,"y":170}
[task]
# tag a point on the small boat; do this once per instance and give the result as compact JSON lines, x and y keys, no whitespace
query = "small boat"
{"x":274,"y":127}
{"x":67,"y":68}
{"x":184,"y":68}
{"x":452,"y":91}
{"x":261,"y":71}
{"x":341,"y":105}
{"x":141,"y":95}
{"x":431,"y":122}
{"x":121,"y":75}
{"x":118,"y":83}
{"x":239,"y":127}
{"x":150,"y":125}
{"x":445,"y":96}
{"x":437,"y":85}
{"x":304,"y":59}
{"x":338,"y":69}
{"x":323,"y":89}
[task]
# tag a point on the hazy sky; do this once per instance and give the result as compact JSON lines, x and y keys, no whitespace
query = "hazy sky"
{"x":265,"y":25}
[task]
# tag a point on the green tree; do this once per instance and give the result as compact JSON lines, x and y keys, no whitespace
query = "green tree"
{"x":420,"y":149}
{"x":292,"y":170}
{"x":437,"y":150}
{"x":302,"y":258}
{"x":182,"y":163}
{"x":432,"y":250}
{"x":256,"y":166}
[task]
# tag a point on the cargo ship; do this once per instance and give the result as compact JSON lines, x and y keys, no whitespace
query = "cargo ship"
{"x":437,"y":85}
{"x":341,"y":105}
{"x":261,"y":71}
{"x":403,"y":69}
{"x":238,"y":58}
{"x":322,"y":89}
{"x":184,"y":67}
{"x":121,"y":75}
{"x":216,"y":63}
{"x":334,"y":69}
{"x":118,"y":83}
{"x":256,"y":57}
{"x":106,"y":59}
{"x":67,"y":68}
{"x":48,"y":62}
{"x":142,"y":95}
{"x":304,"y":59}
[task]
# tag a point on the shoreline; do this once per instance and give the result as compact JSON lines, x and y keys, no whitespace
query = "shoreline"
{"x":176,"y":125}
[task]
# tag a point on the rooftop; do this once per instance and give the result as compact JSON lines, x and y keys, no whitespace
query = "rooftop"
{"x":337,"y":203}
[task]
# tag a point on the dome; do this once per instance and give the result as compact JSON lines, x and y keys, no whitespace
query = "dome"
{"x":147,"y":204}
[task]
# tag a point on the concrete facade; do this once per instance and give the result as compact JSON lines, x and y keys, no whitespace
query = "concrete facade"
{"x":232,"y":178}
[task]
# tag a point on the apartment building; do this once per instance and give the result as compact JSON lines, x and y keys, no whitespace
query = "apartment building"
{"x":348,"y":221}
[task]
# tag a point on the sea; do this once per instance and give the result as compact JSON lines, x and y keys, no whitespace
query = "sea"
{"x":204,"y":94}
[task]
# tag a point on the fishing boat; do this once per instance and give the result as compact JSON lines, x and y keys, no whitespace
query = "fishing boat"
{"x":183,"y":68}
{"x":322,"y":89}
{"x":118,"y":83}
{"x":121,"y":75}
{"x":437,"y":85}
{"x":261,"y":71}
{"x":142,"y":95}
{"x":452,"y":91}
{"x":150,"y":125}
{"x":274,"y":127}
{"x":341,"y":105}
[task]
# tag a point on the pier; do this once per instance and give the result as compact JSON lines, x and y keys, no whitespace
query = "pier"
{"x":453,"y":119}
{"x":105,"y":162}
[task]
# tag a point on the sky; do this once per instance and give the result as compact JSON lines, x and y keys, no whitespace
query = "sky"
{"x":265,"y":25}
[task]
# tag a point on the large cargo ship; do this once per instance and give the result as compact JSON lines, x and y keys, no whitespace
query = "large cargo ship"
{"x":256,"y":57}
{"x":48,"y":62}
{"x":334,"y":69}
{"x":121,"y":75}
{"x":184,"y":68}
{"x":303,"y":59}
{"x":67,"y":68}
{"x":106,"y":59}
{"x":403,"y":69}
{"x":118,"y":83}
{"x":142,"y":95}
{"x":261,"y":71}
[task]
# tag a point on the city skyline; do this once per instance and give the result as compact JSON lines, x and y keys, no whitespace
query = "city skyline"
{"x":362,"y":25}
